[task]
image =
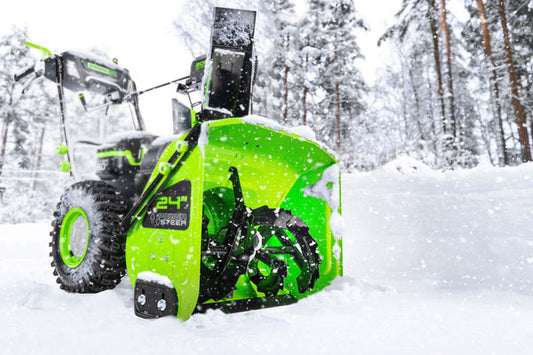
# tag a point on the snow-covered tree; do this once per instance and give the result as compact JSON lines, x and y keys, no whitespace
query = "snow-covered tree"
{"x":280,"y":82}
{"x":440,"y":122}
{"x":339,"y":116}
{"x":29,"y":133}
{"x":13,"y":106}
{"x":495,"y":41}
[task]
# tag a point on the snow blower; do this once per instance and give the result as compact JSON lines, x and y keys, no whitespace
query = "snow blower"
{"x":232,"y":212}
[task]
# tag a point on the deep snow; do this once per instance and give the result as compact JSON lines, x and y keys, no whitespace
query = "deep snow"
{"x":434,"y":263}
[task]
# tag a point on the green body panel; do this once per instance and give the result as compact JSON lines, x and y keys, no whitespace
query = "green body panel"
{"x":121,"y":153}
{"x":274,"y":168}
{"x":269,"y":162}
{"x":173,"y":253}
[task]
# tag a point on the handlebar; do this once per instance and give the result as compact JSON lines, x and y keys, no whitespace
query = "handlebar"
{"x":24,"y":73}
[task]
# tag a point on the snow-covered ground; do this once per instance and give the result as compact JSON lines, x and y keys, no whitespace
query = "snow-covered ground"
{"x":434,"y":263}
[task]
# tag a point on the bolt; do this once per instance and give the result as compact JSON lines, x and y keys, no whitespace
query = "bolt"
{"x":162,"y":305}
{"x":141,"y":299}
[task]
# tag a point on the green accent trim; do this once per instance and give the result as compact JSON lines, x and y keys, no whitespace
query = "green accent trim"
{"x":102,"y":69}
{"x":194,"y":120}
{"x":199,"y":65}
{"x":62,"y":149}
{"x":65,"y":249}
{"x":122,"y":153}
{"x":64,"y":166}
{"x":46,"y":52}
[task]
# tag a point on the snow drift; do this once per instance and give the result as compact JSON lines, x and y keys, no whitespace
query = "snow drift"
{"x":435,"y":262}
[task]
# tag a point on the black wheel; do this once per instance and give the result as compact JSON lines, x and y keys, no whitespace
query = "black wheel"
{"x":87,"y":242}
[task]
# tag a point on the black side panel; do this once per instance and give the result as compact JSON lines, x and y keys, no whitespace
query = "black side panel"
{"x":153,"y":300}
{"x":85,"y":72}
{"x":118,"y":170}
{"x":171,"y":209}
{"x":149,"y":162}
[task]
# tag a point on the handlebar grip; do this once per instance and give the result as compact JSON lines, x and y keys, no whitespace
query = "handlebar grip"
{"x":25,"y":73}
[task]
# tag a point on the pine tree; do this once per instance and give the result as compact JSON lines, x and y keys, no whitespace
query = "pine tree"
{"x":503,"y":158}
{"x":522,"y":40}
{"x":339,"y":120}
{"x":14,"y":107}
{"x":515,"y":87}
{"x":310,"y":40}
{"x":278,"y":71}
{"x":439,"y":122}
{"x":28,"y":136}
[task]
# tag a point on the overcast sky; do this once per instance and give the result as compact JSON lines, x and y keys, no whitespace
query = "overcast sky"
{"x":141,"y":36}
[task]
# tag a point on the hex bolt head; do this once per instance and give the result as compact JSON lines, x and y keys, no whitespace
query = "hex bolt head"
{"x":141,"y":299}
{"x":162,"y":305}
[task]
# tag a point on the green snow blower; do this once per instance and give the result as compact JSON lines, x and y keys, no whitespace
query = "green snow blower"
{"x":232,"y":212}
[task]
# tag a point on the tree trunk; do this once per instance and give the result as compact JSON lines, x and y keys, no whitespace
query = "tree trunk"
{"x":306,"y":90}
{"x":503,"y":158}
{"x":338,"y":115}
{"x":3,"y":143}
{"x":38,"y":161}
{"x":414,"y":87}
{"x":285,"y":94}
{"x":446,"y":32}
{"x":337,"y":100}
{"x":304,"y":106}
{"x":5,"y":129}
{"x":286,"y":88}
{"x":528,"y":90}
{"x":436,"y":56}
{"x":433,"y":134}
{"x":515,"y":88}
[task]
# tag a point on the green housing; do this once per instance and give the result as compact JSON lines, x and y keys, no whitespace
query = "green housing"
{"x":275,"y":169}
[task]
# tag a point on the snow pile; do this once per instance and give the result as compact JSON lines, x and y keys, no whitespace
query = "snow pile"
{"x":463,"y":229}
{"x":149,"y":276}
{"x":328,"y":189}
{"x":428,"y":257}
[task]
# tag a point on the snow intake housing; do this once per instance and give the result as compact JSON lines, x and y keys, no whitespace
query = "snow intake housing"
{"x":233,"y":217}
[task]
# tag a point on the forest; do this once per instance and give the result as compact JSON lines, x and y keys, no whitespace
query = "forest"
{"x":456,"y":91}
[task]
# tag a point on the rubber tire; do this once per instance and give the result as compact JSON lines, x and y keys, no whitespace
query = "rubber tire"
{"x":103,"y":264}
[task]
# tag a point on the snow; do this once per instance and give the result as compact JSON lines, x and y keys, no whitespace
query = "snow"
{"x":434,"y":263}
{"x":302,"y":131}
{"x":327,"y":189}
{"x":233,"y":29}
{"x":96,"y":59}
{"x":149,"y":276}
{"x":204,"y":137}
